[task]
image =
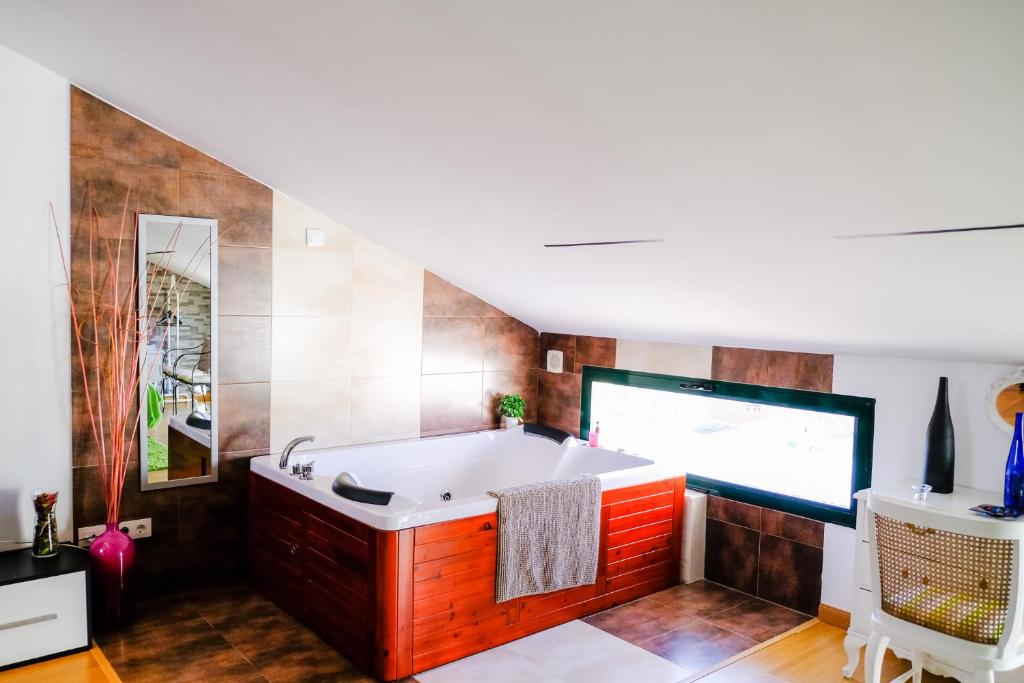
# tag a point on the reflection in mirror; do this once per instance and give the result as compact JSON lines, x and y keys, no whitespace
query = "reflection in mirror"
{"x":1006,"y":399}
{"x":178,"y":262}
{"x":1009,"y":402}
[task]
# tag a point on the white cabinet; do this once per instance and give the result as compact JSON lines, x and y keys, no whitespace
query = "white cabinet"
{"x":44,"y":609}
{"x":860,"y":615}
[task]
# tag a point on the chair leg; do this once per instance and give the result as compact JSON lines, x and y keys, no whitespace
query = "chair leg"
{"x":988,"y":676}
{"x":917,"y":665}
{"x":877,"y":645}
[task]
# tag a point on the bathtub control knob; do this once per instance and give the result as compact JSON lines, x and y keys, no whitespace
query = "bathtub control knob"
{"x":446,"y":495}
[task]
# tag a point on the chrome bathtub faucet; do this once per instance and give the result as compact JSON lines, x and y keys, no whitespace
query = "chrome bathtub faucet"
{"x":286,"y":453}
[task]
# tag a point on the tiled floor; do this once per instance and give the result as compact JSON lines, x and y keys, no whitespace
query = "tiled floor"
{"x":225,"y":635}
{"x":237,"y":635}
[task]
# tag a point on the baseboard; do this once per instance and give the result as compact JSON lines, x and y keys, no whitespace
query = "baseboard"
{"x":833,"y":616}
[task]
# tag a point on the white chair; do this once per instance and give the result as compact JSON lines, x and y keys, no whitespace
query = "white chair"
{"x":946,"y":587}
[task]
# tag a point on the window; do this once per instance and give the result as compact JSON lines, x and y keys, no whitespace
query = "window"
{"x":803,"y":452}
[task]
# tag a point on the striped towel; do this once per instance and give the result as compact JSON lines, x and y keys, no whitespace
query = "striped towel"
{"x":548,"y":536}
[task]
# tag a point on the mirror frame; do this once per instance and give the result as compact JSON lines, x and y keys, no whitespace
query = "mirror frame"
{"x":145,"y":484}
{"x":1015,"y":377}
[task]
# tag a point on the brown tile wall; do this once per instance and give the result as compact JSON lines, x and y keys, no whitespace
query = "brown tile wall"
{"x":773,"y":555}
{"x":472,"y":354}
{"x":558,"y":394}
{"x":811,"y":371}
{"x":197,"y":535}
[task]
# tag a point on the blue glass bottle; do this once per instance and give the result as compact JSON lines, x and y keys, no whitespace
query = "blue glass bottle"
{"x":1013,"y":493}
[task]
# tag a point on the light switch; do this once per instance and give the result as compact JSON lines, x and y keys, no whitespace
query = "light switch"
{"x":315,"y":237}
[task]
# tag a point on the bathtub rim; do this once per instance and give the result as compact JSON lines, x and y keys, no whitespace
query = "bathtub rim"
{"x":383,"y":519}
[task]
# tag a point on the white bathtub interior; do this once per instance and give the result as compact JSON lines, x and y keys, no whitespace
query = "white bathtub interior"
{"x":467,"y":466}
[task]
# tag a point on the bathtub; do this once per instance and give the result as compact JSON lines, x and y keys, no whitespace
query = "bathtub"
{"x":463,"y":466}
{"x":409,"y":586}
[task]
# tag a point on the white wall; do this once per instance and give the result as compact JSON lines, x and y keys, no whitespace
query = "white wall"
{"x":904,"y":389}
{"x":35,"y":404}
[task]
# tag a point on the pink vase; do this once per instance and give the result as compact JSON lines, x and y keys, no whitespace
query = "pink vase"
{"x":112,"y":557}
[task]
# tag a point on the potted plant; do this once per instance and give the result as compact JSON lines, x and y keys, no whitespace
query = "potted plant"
{"x":511,"y":408}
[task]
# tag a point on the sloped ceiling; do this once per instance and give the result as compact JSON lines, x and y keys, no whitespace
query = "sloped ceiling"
{"x":746,"y":134}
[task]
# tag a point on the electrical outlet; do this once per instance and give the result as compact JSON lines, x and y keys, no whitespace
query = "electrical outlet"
{"x":137,"y":528}
{"x":87,"y":533}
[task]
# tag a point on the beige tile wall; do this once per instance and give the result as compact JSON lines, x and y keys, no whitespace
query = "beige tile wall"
{"x":665,"y":358}
{"x":346,"y":334}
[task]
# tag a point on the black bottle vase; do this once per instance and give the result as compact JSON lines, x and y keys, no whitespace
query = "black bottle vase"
{"x":939,"y":444}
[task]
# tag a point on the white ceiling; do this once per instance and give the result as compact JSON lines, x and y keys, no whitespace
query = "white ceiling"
{"x":746,"y":133}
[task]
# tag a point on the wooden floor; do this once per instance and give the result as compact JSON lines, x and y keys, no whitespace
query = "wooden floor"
{"x":84,"y":667}
{"x":812,"y":653}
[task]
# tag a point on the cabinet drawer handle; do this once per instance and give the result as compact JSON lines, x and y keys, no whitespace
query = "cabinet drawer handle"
{"x":27,"y":622}
{"x":487,"y":526}
{"x":293,"y":548}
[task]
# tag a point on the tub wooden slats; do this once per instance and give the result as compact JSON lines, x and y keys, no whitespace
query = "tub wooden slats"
{"x":400,"y":602}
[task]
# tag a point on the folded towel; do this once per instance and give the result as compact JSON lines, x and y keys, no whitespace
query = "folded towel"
{"x":154,"y":405}
{"x":548,"y":536}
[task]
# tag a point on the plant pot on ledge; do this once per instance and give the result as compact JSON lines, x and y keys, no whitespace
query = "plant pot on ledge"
{"x":512,"y":408}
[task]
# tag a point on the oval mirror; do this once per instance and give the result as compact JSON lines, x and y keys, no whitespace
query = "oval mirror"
{"x":1006,"y":399}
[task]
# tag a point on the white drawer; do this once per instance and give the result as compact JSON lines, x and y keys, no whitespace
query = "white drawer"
{"x":862,"y":565}
{"x":860,"y":616}
{"x":43,"y":617}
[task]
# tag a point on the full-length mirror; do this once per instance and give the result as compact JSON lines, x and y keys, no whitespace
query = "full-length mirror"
{"x":178,"y":307}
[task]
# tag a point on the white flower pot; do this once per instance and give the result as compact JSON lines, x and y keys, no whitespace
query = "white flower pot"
{"x":507,"y":422}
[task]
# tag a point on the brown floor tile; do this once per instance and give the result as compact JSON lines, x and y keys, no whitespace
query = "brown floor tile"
{"x":697,"y":645}
{"x":168,"y":641}
{"x":700,"y":599}
{"x":638,"y":621}
{"x":758,"y":619}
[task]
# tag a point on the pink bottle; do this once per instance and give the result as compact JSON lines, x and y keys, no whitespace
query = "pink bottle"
{"x":595,"y":435}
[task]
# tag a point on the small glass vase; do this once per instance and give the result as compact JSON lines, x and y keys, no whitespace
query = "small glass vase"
{"x":44,"y":541}
{"x":112,"y":558}
{"x":1013,"y":490}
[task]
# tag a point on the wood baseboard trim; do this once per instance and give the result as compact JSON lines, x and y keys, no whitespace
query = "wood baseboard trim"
{"x":833,"y":616}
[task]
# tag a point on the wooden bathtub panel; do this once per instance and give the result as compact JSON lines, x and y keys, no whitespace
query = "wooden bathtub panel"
{"x":397,"y":603}
{"x":457,"y":546}
{"x":649,"y":545}
{"x":536,"y":605}
{"x":337,"y":544}
{"x":447,"y":566}
{"x":639,"y":561}
{"x":465,"y":612}
{"x":476,"y":603}
{"x":423,"y":660}
{"x":634,"y":492}
{"x":657,"y":572}
{"x":639,"y":533}
{"x":629,"y":507}
{"x":443,"y":531}
{"x":624,"y":522}
{"x":467,"y":583}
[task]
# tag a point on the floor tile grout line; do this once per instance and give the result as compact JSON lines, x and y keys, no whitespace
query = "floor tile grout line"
{"x":223,"y":637}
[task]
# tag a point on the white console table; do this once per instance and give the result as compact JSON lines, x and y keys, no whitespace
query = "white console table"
{"x":956,"y":504}
{"x":44,"y":606}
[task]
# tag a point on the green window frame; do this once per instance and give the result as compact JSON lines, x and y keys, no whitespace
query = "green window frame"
{"x":861,"y":409}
